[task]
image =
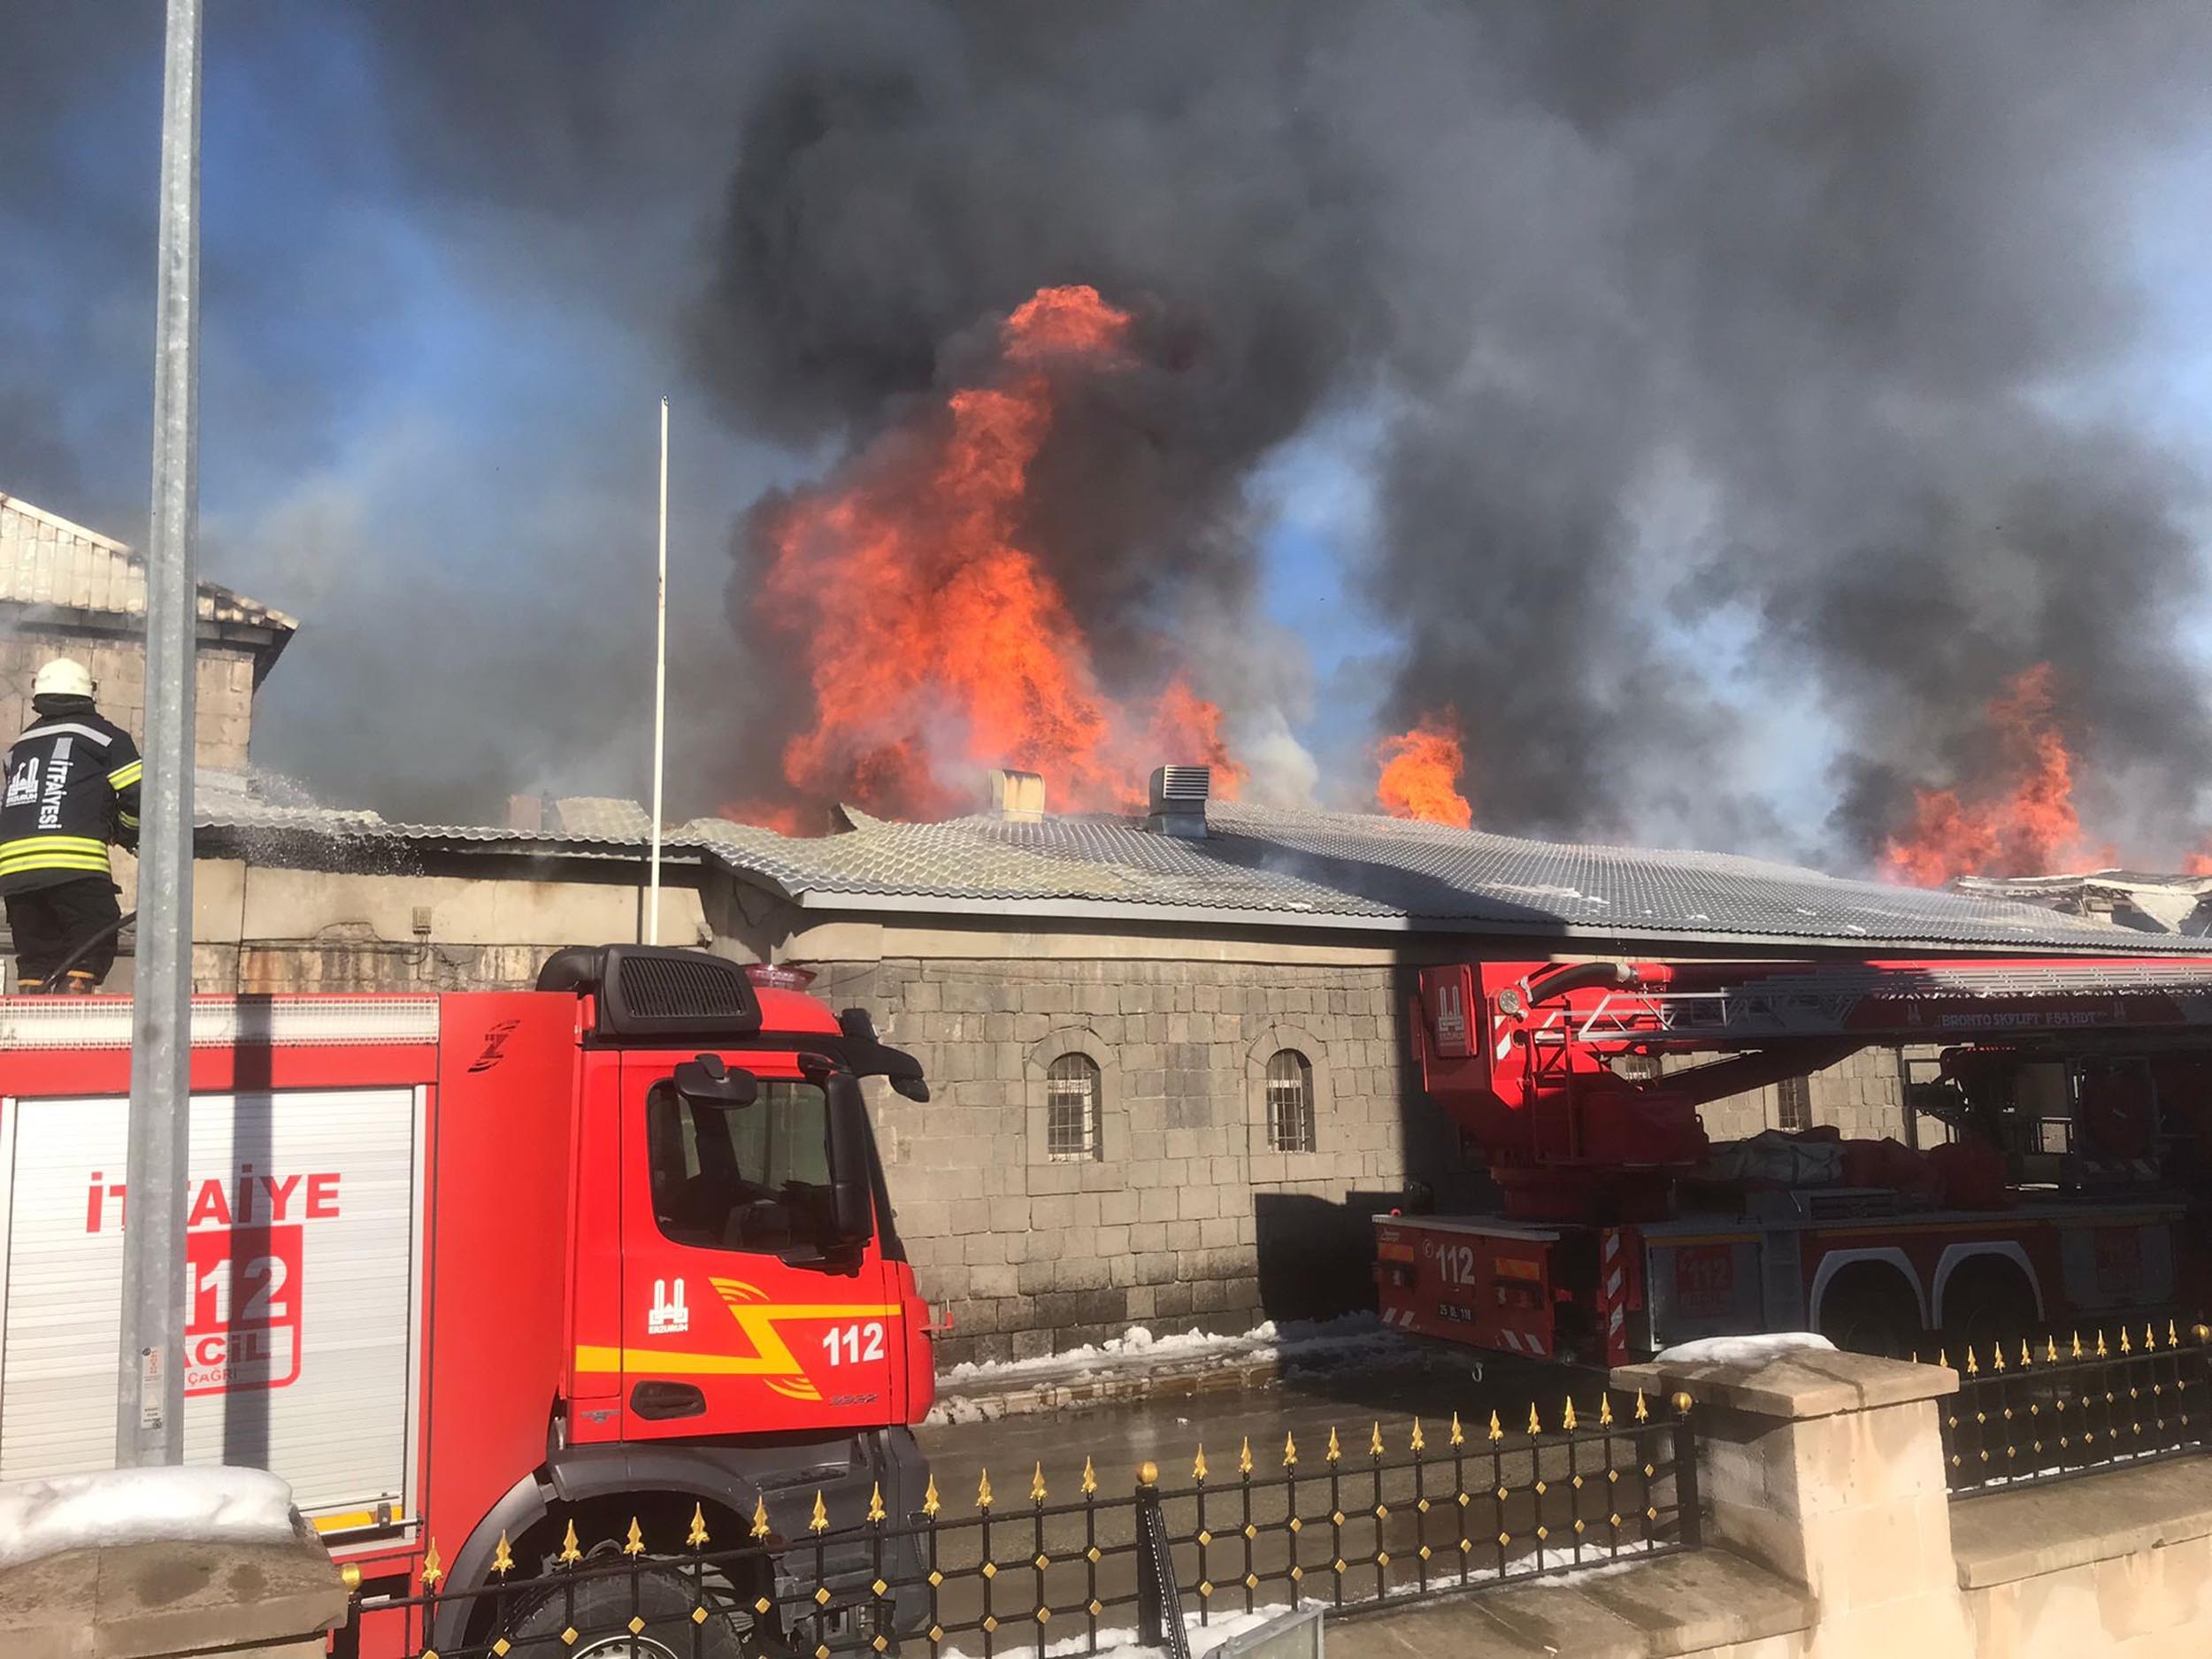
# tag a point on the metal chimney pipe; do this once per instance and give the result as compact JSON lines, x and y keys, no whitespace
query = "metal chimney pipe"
{"x":1178,"y":802}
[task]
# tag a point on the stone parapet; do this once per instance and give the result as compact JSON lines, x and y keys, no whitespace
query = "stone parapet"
{"x":167,"y":1600}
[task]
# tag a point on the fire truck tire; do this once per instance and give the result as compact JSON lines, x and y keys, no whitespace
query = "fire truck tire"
{"x":1870,"y":1310}
{"x":602,"y":1610}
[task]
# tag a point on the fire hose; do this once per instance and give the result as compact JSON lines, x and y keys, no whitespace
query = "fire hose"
{"x":85,"y":947}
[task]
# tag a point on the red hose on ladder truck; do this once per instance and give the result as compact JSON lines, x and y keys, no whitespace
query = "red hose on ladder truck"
{"x":2073,"y":1188}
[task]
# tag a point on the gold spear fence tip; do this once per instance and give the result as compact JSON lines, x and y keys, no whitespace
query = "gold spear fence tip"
{"x":1334,"y":1451}
{"x":1244,"y":1456}
{"x":1567,"y":1417}
{"x":1037,"y":1484}
{"x":634,"y":1544}
{"x":983,"y":1491}
{"x":819,"y":1521}
{"x":696,"y":1539}
{"x":1198,"y":1464}
{"x":570,"y":1555}
{"x":2100,"y":1353}
{"x":2150,"y":1337}
{"x":760,"y":1512}
{"x":2077,"y":1345}
{"x":1605,"y":1411}
{"x":2026,"y":1358}
{"x":1090,"y":1478}
{"x":1374,"y":1439}
{"x":2050,"y":1350}
{"x":2173,"y":1337}
{"x":432,"y":1570}
{"x":1943,"y":1359}
{"x":877,"y":1513}
{"x":1996,"y":1356}
{"x":1643,"y":1412}
{"x":1459,"y":1435}
{"x":1535,"y":1423}
{"x":1418,"y":1443}
{"x":1972,"y":1370}
{"x":930,"y":1505}
{"x":1290,"y":1452}
{"x":2125,"y":1348}
{"x":1497,"y":1429}
{"x":502,"y":1557}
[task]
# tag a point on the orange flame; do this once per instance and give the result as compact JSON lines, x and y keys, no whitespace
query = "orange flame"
{"x":2029,"y":829}
{"x":938,"y":645}
{"x":2199,"y":863}
{"x":1421,"y":770}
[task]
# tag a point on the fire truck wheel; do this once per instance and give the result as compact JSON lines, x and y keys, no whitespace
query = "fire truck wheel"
{"x":603,"y":1609}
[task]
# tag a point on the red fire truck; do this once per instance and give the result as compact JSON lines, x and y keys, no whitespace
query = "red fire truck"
{"x":469,"y":1265}
{"x":2069,"y":1189}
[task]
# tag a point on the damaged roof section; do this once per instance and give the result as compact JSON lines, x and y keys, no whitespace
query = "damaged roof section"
{"x":1254,"y":866}
{"x":2133,"y":899}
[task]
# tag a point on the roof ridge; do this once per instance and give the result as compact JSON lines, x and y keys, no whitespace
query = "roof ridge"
{"x":16,"y":504}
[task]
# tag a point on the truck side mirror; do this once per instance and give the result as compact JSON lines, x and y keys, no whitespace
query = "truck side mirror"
{"x":707,"y":1081}
{"x":852,"y":1203}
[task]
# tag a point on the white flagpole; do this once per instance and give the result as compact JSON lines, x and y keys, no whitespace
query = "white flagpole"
{"x":660,"y":693}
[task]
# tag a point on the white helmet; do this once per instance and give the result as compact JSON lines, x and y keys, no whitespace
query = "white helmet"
{"x":62,"y":678}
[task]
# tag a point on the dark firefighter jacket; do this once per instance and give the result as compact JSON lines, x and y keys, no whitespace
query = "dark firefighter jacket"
{"x":72,"y":788}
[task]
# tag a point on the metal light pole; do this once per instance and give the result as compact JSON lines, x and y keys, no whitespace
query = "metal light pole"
{"x":660,"y":695}
{"x":150,"y":1393}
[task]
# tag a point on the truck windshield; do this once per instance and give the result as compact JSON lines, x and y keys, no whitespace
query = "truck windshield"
{"x":748,"y":1178}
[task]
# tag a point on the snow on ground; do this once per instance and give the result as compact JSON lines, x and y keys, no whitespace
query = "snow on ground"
{"x":1744,"y":1350}
{"x":1326,"y":1341}
{"x":137,"y":1506}
{"x":1123,"y":1644}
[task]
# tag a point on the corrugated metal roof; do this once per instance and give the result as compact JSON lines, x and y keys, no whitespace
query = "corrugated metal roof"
{"x":46,"y":560}
{"x":1260,"y":866}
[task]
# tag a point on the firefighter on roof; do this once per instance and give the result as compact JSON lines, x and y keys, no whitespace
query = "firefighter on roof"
{"x":72,"y":788}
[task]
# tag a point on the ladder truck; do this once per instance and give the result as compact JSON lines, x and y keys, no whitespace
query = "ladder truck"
{"x":469,"y":1269}
{"x":2076,"y":1095}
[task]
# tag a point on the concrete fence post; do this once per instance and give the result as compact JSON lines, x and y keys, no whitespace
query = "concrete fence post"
{"x":1828,"y":1468}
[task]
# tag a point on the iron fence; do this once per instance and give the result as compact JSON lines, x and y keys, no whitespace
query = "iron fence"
{"x":1423,"y":1511}
{"x":2051,"y":1410}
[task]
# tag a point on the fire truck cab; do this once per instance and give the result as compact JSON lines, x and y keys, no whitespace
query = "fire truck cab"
{"x":2071,"y":1189}
{"x":471,"y":1265}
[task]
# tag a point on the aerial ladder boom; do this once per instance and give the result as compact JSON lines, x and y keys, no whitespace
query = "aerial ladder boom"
{"x":1579,"y":1086}
{"x":1525,"y":1055}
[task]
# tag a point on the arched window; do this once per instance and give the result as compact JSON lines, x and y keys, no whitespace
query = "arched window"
{"x":1071,"y":1110}
{"x":1289,"y":1102}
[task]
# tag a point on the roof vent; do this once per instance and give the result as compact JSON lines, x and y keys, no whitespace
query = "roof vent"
{"x":1178,"y":802}
{"x":1018,"y":797}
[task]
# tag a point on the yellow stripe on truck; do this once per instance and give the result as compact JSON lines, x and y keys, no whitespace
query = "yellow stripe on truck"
{"x":771,"y":1357}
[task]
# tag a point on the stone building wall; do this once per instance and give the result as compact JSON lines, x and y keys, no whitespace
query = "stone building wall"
{"x":1186,"y":1215}
{"x":225,"y":710}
